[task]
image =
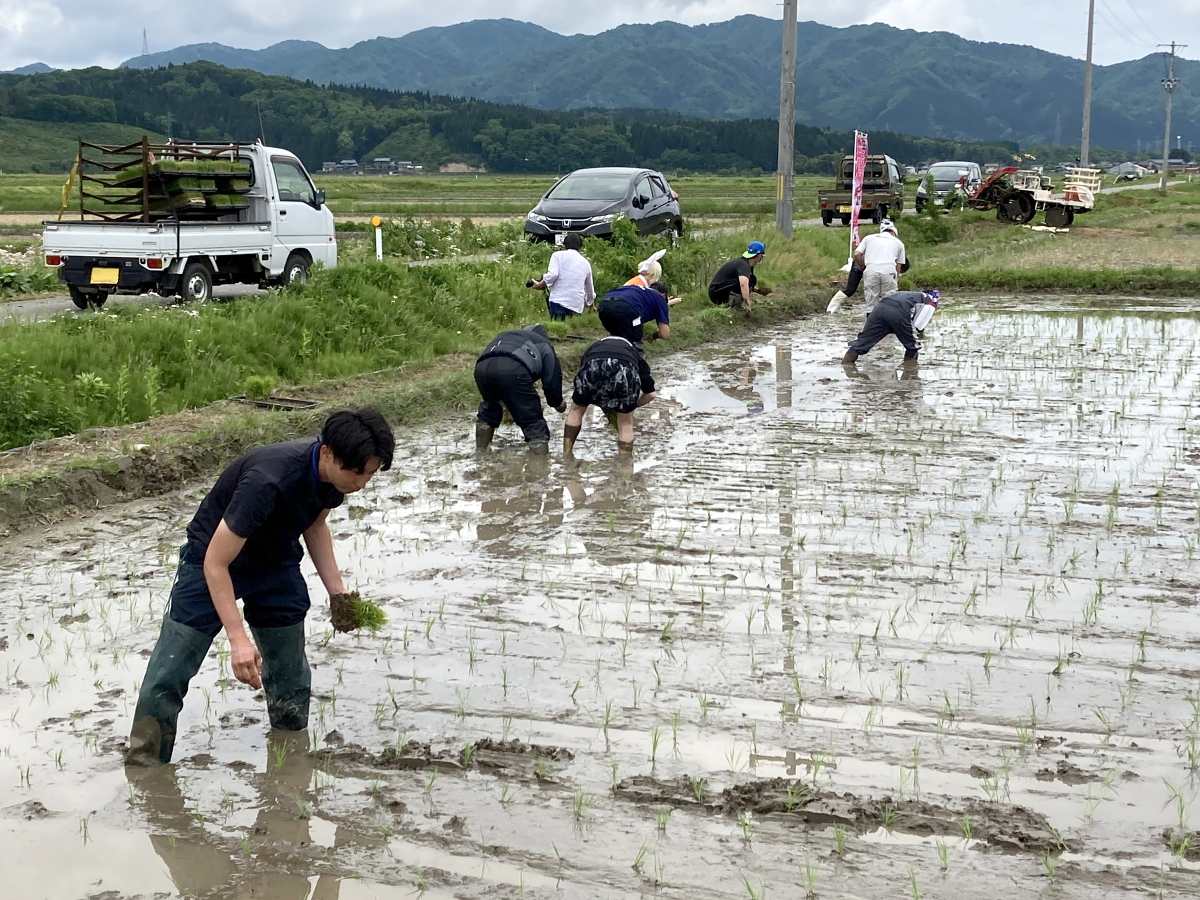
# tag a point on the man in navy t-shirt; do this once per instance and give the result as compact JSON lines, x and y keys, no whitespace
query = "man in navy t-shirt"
{"x":244,"y":543}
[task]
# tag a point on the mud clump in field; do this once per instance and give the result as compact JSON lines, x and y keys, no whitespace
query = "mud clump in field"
{"x":1013,"y":828}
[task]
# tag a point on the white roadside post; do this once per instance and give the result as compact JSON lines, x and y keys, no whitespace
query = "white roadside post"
{"x":378,"y":223}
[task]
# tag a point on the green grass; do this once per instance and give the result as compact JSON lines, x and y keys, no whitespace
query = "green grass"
{"x":129,"y":363}
{"x":458,"y":195}
{"x":50,"y":147}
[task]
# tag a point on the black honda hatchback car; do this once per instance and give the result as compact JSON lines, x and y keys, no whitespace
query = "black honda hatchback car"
{"x":588,"y":200}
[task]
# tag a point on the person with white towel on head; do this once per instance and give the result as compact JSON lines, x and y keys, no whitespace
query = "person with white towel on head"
{"x":882,"y":259}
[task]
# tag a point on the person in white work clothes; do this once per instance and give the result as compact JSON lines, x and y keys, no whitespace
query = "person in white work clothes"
{"x":569,"y":278}
{"x":882,"y":258}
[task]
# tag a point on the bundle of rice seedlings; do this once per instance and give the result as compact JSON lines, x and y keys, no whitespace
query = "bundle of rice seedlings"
{"x":349,"y":612}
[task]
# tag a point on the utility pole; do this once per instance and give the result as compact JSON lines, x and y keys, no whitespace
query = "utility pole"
{"x":1085,"y":143}
{"x":1169,"y":84}
{"x":787,"y":122}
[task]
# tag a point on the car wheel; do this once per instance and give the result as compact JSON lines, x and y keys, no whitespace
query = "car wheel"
{"x":295,"y":270}
{"x":196,"y":284}
{"x":675,"y":232}
{"x":826,"y":218}
{"x":881,"y":213}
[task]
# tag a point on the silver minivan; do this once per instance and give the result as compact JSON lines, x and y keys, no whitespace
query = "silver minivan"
{"x":943,"y":176}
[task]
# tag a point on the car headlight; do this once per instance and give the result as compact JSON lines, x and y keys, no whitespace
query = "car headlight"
{"x":535,"y":217}
{"x":611,"y":217}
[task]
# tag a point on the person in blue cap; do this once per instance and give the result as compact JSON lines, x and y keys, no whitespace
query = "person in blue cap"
{"x":735,"y":282}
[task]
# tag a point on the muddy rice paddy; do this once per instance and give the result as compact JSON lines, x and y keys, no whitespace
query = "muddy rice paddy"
{"x":922,"y":633}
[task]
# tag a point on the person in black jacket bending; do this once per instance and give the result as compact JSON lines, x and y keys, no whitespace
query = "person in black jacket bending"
{"x":505,"y":375}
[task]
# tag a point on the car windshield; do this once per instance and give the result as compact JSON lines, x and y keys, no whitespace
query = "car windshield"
{"x":590,"y":186}
{"x":948,"y":173}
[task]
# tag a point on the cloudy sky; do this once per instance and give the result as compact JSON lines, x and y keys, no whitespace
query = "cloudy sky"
{"x":72,"y":33}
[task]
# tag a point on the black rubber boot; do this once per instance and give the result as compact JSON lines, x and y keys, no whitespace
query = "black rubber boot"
{"x":483,"y":435}
{"x":850,"y":358}
{"x":570,"y":434}
{"x":539,"y":448}
{"x":174,"y":662}
{"x":287,"y":680}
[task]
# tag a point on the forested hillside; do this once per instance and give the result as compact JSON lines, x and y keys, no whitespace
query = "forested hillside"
{"x":873,"y":77}
{"x":205,"y":101}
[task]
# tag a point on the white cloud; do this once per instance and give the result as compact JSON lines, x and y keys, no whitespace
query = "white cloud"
{"x":71,"y":33}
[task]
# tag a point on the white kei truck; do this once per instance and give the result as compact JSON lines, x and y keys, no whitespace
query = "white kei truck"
{"x":177,"y":218}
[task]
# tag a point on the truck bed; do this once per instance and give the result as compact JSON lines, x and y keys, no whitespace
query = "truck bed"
{"x":123,"y":239}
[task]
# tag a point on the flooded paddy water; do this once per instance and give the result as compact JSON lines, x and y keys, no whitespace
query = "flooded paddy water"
{"x":871,"y":634}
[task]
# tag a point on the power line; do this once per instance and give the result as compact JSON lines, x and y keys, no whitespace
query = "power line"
{"x":1122,"y":31}
{"x":1129,"y":3}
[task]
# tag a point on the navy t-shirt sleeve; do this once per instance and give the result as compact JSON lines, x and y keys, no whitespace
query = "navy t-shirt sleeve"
{"x":659,"y":308}
{"x":253,"y":500}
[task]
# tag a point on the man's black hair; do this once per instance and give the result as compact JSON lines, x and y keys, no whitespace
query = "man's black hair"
{"x":572,"y":241}
{"x":661,"y":287}
{"x":355,"y":436}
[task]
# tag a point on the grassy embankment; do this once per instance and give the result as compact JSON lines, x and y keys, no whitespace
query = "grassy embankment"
{"x":1133,"y":242}
{"x":484,"y":197}
{"x":399,"y":336}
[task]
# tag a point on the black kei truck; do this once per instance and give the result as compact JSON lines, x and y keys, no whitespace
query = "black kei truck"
{"x":883,"y":191}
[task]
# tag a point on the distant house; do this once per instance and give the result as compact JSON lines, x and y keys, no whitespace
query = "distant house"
{"x":345,"y":165}
{"x":329,"y":167}
{"x":1128,"y":168}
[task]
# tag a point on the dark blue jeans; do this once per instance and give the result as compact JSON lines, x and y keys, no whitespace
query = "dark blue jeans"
{"x":559,"y":313}
{"x":274,"y":604}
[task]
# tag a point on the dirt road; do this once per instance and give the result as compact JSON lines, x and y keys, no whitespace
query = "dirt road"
{"x":876,"y":633}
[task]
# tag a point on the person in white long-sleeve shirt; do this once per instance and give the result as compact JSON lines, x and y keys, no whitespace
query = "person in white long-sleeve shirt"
{"x":882,"y":258}
{"x":569,"y":278}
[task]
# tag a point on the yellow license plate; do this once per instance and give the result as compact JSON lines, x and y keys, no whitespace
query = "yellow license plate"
{"x":105,"y":276}
{"x":844,"y":209}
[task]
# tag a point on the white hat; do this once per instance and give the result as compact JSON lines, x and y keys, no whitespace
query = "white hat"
{"x":888,"y":225}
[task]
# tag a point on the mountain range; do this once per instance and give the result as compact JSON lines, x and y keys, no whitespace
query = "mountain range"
{"x":872,"y":77}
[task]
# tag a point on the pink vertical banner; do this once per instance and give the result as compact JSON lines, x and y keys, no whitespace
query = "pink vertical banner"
{"x":860,"y":168}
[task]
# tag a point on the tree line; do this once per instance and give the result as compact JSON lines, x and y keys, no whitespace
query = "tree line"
{"x":203,"y":101}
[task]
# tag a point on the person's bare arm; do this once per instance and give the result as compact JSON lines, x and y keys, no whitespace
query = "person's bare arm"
{"x":244,"y":656}
{"x":664,"y":331}
{"x":647,"y":398}
{"x":674,"y":301}
{"x":744,"y":282}
{"x":319,"y":542}
{"x":589,"y":290}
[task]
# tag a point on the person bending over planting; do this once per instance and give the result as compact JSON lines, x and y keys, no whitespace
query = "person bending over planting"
{"x":244,"y":543}
{"x":901,"y":313}
{"x":614,"y":376}
{"x":505,"y":374}
{"x":735,"y":281}
{"x":624,"y":312}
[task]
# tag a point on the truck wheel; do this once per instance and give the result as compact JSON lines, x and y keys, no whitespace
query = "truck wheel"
{"x":196,"y":284}
{"x":826,"y":218}
{"x":846,"y":220}
{"x":295,"y":270}
{"x":83,"y":300}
